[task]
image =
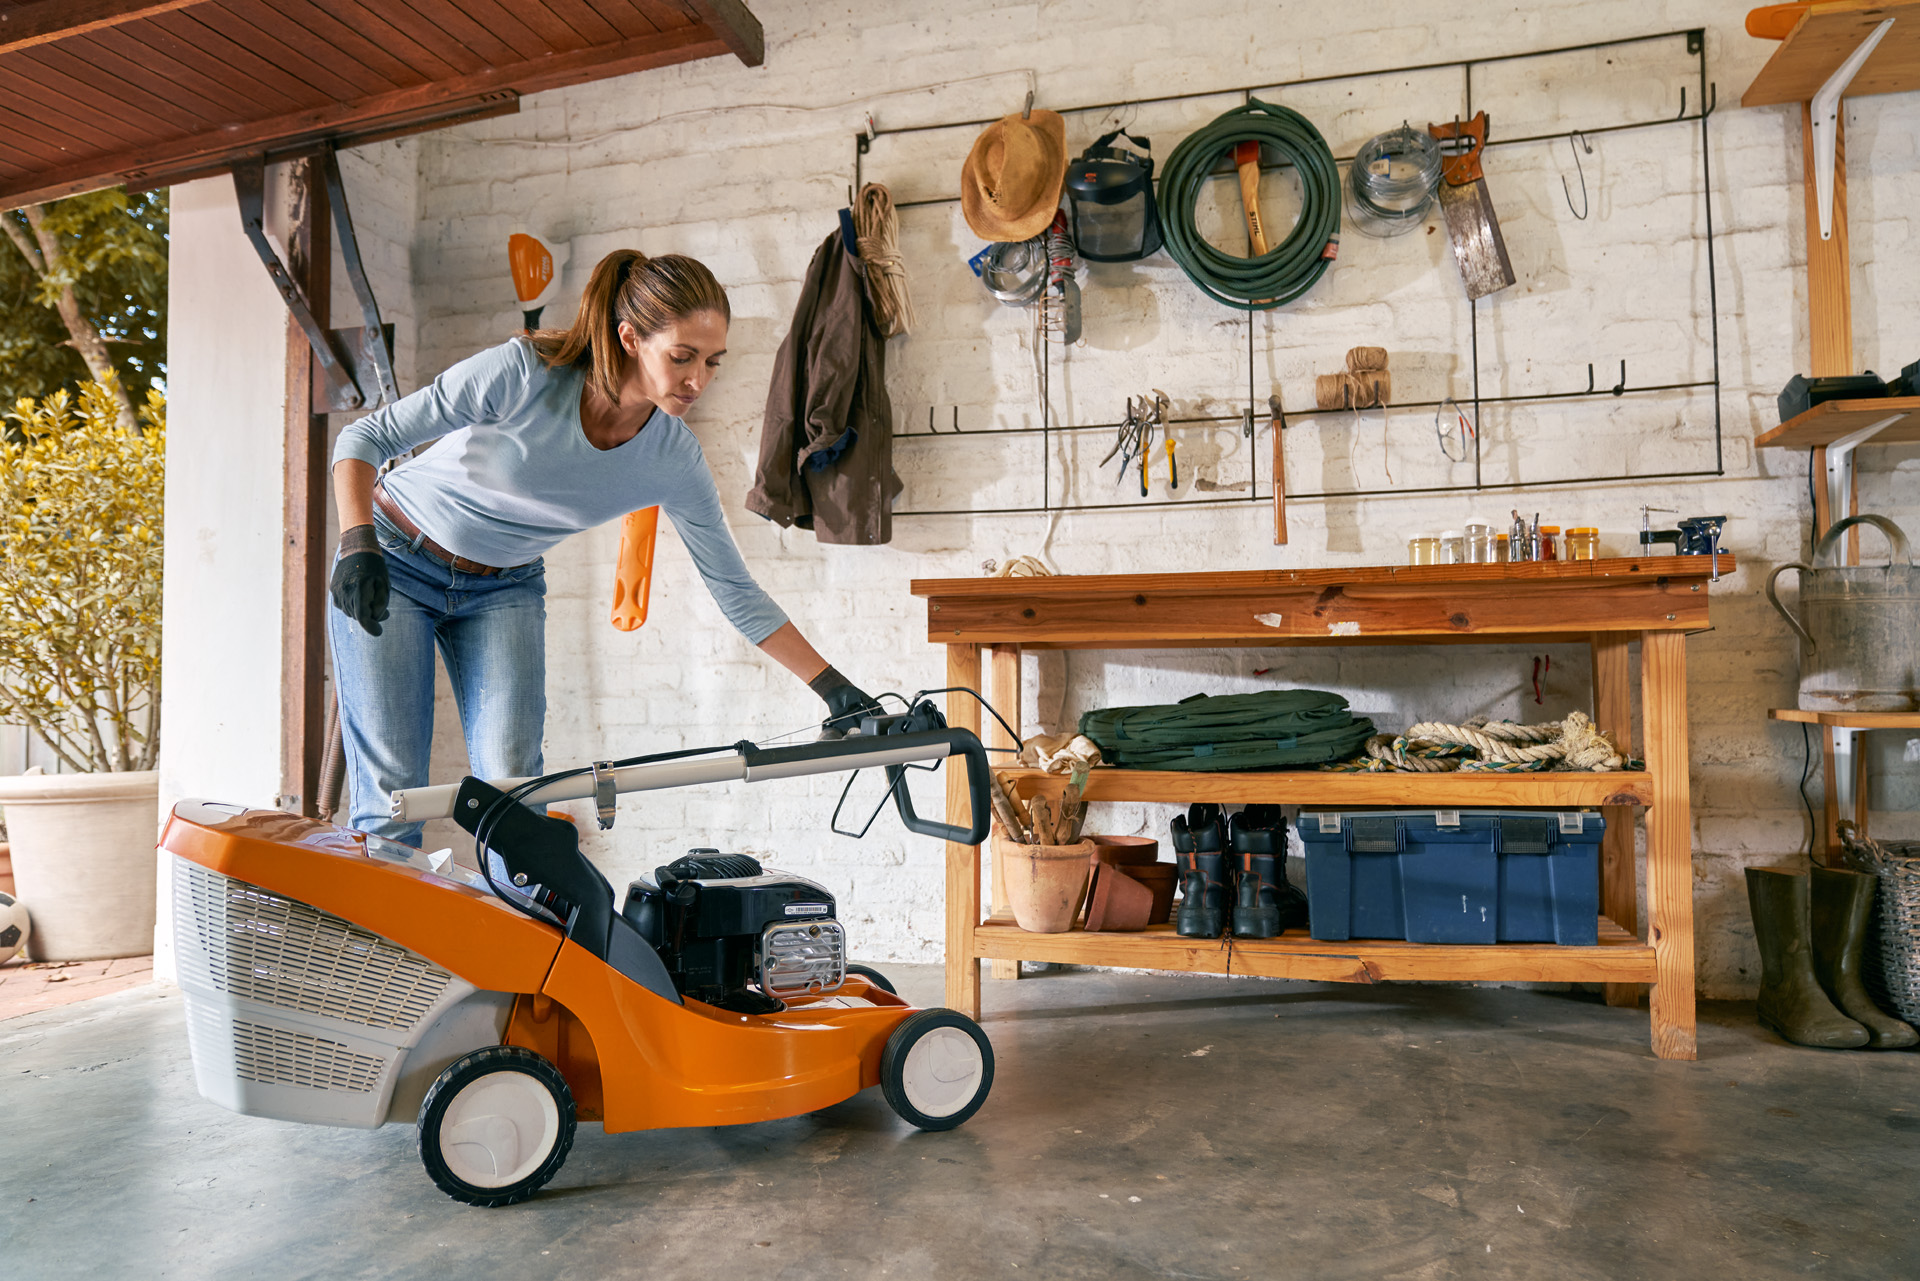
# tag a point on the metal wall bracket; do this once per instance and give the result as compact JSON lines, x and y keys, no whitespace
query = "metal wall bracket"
{"x":355,"y":364}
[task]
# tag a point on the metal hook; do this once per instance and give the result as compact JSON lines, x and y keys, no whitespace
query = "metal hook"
{"x":1026,"y":112}
{"x":956,"y":420}
{"x":1586,"y":206}
{"x":1620,"y":387}
{"x":1589,"y":380}
{"x":1683,"y":104}
{"x":1713,"y":98}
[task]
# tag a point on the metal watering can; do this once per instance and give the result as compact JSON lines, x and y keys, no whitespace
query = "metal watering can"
{"x":1861,"y":638}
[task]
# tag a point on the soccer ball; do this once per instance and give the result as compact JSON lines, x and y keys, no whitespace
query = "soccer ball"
{"x":14,"y":926}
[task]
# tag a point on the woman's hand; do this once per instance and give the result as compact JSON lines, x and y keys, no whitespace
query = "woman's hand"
{"x":846,"y":703}
{"x":360,"y":586}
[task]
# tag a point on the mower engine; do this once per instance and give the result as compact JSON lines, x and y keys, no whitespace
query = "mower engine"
{"x":725,"y":926}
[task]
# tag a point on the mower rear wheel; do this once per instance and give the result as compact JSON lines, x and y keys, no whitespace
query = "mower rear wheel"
{"x":874,"y":977}
{"x":496,"y":1125}
{"x":936,"y":1069}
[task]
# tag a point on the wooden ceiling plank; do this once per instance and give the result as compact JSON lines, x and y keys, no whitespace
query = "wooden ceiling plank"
{"x":77,"y":78}
{"x":432,"y":52}
{"x":586,"y":20}
{"x":218,"y":45}
{"x":554,"y":72}
{"x":26,"y":85}
{"x":287,"y":44}
{"x":167,"y":58}
{"x":443,"y":15}
{"x":116,"y":54}
{"x":264,"y":97}
{"x":667,"y":15}
{"x":23,"y":26}
{"x":350,"y":42}
{"x":734,"y":23}
{"x":28,"y":136}
{"x":623,"y":17}
{"x":508,"y":25}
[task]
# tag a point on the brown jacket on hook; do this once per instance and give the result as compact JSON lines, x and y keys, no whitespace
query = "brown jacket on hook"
{"x":826,"y":449}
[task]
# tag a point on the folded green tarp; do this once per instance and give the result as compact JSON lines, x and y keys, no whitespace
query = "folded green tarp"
{"x":1230,"y":731}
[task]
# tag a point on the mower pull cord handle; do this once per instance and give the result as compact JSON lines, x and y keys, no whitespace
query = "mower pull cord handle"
{"x":966,"y":744}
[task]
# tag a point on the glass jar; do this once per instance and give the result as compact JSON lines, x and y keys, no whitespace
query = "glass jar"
{"x":1549,"y":543}
{"x":1500,"y":552}
{"x":1583,"y":543}
{"x":1423,"y":549}
{"x":1452,"y":547}
{"x":1478,"y":542}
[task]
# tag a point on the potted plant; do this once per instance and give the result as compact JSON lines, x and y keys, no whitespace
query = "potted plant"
{"x":81,"y":495}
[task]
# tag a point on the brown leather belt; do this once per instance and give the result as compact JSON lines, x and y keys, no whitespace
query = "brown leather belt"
{"x":385,"y":503}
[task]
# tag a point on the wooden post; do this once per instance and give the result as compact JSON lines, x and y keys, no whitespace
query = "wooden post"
{"x":1829,"y":287}
{"x":963,"y":861}
{"x":304,"y":564}
{"x":1613,"y":714}
{"x":1003,"y":689}
{"x":1663,"y":704}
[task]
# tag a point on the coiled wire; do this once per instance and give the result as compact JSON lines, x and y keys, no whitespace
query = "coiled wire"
{"x":1294,"y":265}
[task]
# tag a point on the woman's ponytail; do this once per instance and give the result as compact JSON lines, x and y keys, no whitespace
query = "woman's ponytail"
{"x":647,"y":293}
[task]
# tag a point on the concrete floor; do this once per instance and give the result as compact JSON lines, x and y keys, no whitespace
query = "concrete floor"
{"x":1139,"y":1126}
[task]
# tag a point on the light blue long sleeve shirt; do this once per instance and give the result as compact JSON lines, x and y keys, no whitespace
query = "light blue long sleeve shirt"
{"x":513,"y":473}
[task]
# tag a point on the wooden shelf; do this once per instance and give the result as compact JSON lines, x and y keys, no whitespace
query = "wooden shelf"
{"x":1848,"y":720}
{"x":1832,"y":419}
{"x":1618,"y":958}
{"x":1315,"y":789}
{"x":1353,"y":605}
{"x":1822,"y":41}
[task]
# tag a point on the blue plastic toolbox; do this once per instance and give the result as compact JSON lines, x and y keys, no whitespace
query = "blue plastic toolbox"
{"x":1454,"y":876}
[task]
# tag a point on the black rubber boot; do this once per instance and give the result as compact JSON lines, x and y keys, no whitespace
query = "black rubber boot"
{"x":1206,"y":896}
{"x":1842,"y":903}
{"x":1791,"y":1002}
{"x":1266,"y":903}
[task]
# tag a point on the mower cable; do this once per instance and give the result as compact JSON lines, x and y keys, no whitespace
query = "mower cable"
{"x":1291,"y":267}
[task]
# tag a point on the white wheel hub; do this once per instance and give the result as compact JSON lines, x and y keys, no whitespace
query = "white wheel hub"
{"x":942,"y":1072}
{"x":498,"y":1129}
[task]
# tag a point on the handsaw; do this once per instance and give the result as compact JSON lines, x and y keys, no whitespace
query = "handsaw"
{"x":1471,"y":224}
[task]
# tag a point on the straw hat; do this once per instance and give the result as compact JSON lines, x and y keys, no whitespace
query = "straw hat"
{"x":1010,"y":185}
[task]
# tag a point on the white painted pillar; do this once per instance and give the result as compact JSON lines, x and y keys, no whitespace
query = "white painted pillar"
{"x":226,"y":383}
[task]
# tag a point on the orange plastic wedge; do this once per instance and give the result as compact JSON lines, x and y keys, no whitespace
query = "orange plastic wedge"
{"x":633,"y":576}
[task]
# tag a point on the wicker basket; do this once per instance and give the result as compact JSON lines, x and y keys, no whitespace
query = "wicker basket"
{"x":1892,"y":968}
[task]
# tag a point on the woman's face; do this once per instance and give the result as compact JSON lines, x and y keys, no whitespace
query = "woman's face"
{"x":672,"y":367}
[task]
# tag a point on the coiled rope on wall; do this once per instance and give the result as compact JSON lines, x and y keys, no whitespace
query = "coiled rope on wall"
{"x":1291,"y":267}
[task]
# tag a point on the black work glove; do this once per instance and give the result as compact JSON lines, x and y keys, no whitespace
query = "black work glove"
{"x":846,"y":704}
{"x":359,"y":585}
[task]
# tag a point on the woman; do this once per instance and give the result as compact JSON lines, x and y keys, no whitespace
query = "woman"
{"x":539,"y":438}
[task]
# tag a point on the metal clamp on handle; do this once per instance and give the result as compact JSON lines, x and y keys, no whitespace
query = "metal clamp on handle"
{"x":603,"y":792}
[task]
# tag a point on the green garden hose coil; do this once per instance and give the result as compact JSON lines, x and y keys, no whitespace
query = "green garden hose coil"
{"x":1291,"y":267}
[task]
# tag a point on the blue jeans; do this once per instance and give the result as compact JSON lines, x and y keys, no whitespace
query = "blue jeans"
{"x":491,"y":632}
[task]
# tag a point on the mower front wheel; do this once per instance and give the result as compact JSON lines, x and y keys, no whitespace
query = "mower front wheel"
{"x":496,"y":1126}
{"x":936,"y":1069}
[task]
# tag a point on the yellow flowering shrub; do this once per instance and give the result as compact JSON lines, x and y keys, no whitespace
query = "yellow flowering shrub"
{"x":80,"y":521}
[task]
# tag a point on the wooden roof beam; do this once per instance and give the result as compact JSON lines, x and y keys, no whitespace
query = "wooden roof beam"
{"x":734,"y":23}
{"x":44,"y":21}
{"x":393,"y":113}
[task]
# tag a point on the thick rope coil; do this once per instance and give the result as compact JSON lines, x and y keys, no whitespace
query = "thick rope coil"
{"x":1483,"y":747}
{"x":876,"y":231}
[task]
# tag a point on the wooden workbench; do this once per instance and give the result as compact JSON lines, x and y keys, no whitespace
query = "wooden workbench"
{"x":1607,"y":603}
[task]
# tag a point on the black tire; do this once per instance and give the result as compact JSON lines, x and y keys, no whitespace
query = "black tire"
{"x":451,"y":1165}
{"x":874,"y":977}
{"x":906,"y":1077}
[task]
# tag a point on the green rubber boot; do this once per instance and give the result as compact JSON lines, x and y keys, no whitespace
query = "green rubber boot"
{"x":1791,"y":1002}
{"x":1842,"y":902}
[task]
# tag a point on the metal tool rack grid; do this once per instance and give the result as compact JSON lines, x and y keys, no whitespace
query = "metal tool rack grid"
{"x":1607,"y":603}
{"x":1709,"y":94}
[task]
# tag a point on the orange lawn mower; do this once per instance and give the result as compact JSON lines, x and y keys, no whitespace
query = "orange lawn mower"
{"x":338,"y":978}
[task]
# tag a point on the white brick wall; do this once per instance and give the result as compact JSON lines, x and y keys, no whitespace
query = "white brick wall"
{"x":745,"y":167}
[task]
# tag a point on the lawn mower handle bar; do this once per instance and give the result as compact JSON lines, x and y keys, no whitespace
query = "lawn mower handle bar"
{"x":757,"y":765}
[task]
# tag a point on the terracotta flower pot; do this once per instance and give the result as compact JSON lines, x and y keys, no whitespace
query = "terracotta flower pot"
{"x":1045,"y":883}
{"x":83,"y":861}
